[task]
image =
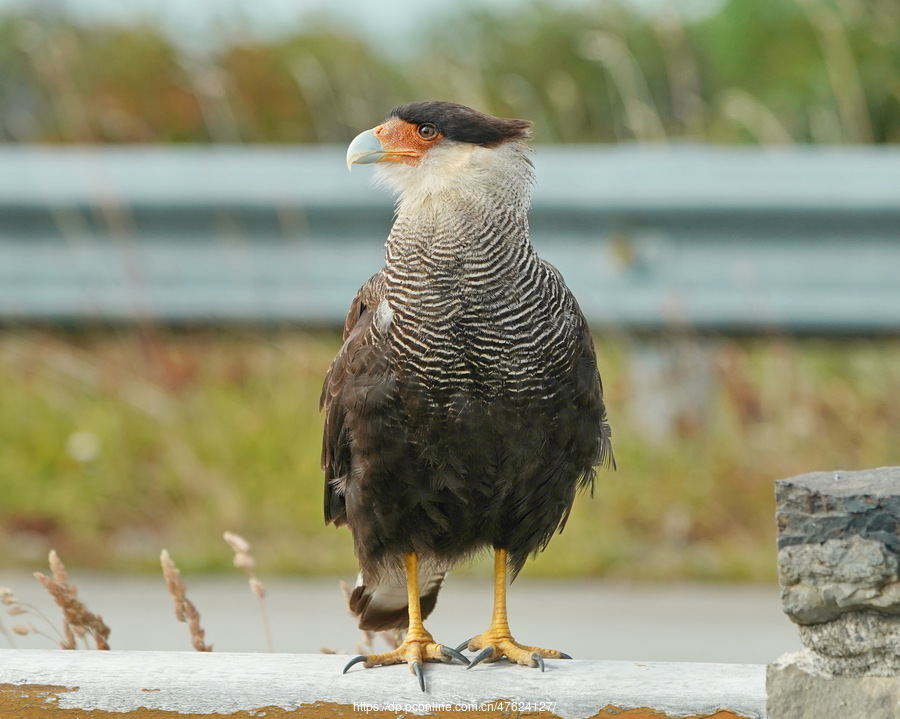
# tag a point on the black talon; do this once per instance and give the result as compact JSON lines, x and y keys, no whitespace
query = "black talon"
{"x":485,"y":653}
{"x":464,"y":645}
{"x":452,"y":654}
{"x":563,"y":655}
{"x":538,"y":660}
{"x":355,"y":660}
{"x":416,"y":668}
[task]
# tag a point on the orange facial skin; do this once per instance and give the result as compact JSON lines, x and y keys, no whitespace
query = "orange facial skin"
{"x":402,"y":142}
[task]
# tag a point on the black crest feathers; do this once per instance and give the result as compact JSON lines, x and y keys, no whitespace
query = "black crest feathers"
{"x":463,"y":124}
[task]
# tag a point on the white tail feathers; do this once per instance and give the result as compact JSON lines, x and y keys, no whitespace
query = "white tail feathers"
{"x":380,"y":603}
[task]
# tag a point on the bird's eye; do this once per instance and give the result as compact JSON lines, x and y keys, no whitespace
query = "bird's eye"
{"x":427,"y":131}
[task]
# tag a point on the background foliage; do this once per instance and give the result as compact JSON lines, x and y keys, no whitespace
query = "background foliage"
{"x":821,"y":71}
{"x":118,"y":441}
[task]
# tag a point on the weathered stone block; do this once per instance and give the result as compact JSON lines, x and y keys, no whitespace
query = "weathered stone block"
{"x":854,"y":645}
{"x":839,"y":543}
{"x":839,"y":568}
{"x":796,"y":690}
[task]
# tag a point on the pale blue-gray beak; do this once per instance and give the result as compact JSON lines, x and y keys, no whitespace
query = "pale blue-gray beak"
{"x":364,"y":149}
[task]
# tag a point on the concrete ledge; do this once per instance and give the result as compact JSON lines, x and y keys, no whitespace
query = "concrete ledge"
{"x":50,"y":684}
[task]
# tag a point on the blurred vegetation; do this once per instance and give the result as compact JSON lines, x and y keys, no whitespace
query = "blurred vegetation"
{"x":758,"y":71}
{"x":117,"y":443}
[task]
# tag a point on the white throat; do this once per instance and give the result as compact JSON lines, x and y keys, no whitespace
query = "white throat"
{"x":456,"y":173}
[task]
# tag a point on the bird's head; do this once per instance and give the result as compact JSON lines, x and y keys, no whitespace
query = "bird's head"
{"x":432,"y":148}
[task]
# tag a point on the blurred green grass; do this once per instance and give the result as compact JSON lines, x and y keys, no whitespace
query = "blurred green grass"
{"x":742,"y":71}
{"x":115,"y":443}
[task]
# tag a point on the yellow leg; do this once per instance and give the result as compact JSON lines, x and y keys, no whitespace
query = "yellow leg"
{"x":419,"y":646}
{"x":497,"y":642}
{"x":416,"y":631}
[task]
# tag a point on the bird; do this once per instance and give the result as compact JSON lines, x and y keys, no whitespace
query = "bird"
{"x":464,"y":409}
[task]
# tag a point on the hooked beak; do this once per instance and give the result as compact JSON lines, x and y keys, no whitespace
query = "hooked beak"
{"x":365,"y":148}
{"x":393,"y":141}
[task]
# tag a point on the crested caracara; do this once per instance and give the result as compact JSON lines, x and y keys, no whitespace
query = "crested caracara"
{"x":464,"y":409}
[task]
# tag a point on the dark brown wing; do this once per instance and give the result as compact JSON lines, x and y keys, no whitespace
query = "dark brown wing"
{"x":357,"y":399}
{"x":358,"y":334}
{"x":589,"y":395}
{"x":592,"y":388}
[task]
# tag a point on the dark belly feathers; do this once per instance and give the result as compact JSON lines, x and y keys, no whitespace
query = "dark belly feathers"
{"x":445,"y":465}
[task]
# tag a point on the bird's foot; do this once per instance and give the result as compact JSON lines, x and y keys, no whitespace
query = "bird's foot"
{"x":493,"y":646}
{"x":415,"y":651}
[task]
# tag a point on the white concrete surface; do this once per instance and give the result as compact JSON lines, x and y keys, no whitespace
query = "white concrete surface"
{"x":225,"y":684}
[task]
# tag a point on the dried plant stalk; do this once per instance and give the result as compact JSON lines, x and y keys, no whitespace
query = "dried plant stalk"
{"x":185,"y":611}
{"x":77,"y":620}
{"x":244,"y":560}
{"x":7,"y":598}
{"x":392,"y":637}
{"x":15,"y":607}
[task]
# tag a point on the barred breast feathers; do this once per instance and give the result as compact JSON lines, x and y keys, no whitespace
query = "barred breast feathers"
{"x":466,"y":294}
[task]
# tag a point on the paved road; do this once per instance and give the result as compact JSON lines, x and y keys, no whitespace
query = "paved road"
{"x":588,"y":619}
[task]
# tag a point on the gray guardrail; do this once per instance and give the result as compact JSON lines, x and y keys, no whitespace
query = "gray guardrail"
{"x":799,"y":239}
